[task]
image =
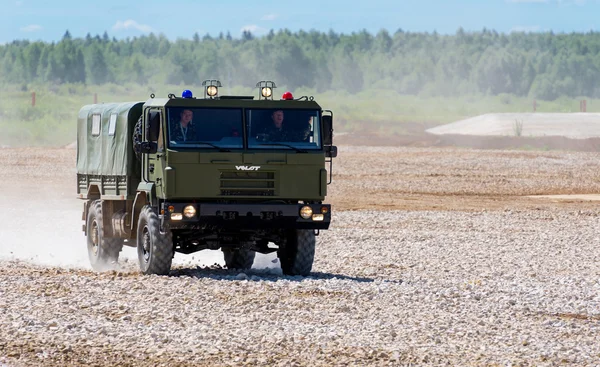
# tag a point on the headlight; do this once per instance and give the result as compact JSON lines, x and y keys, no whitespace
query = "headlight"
{"x":189,"y":211}
{"x":212,"y":90}
{"x":266,"y":92}
{"x":306,"y":212}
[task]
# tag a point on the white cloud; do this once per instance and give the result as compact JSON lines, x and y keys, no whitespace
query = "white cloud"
{"x":253,"y":28}
{"x":526,"y":28}
{"x":131,"y":24}
{"x":269,"y":17}
{"x":31,"y":28}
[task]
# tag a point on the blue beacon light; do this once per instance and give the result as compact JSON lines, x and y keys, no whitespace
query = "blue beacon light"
{"x":187,"y":94}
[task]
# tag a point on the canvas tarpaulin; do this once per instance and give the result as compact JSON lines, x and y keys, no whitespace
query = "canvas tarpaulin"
{"x":104,"y":139}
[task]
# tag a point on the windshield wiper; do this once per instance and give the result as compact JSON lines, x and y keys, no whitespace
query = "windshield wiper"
{"x":298,"y":150}
{"x":200,"y":142}
{"x":214,"y":146}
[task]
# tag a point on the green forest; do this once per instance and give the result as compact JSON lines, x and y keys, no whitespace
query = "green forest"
{"x":534,"y":65}
{"x":384,"y":83}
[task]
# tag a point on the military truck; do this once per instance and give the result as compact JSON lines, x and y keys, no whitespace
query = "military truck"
{"x":223,"y":181}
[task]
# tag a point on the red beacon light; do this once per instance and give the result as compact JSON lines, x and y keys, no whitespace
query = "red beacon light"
{"x":287,"y":96}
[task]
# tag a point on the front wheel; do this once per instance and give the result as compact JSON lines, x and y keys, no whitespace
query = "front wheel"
{"x":298,"y":254}
{"x":238,"y":258}
{"x":155,"y":248}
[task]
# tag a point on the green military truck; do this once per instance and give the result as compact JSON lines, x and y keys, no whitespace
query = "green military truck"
{"x":184,"y":174}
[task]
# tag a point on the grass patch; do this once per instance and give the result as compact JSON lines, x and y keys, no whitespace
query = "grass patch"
{"x":52,"y":122}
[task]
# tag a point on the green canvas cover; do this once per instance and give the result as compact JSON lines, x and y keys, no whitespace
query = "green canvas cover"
{"x":105,"y":147}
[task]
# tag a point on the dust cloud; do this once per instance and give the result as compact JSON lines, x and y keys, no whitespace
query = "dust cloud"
{"x":42,"y":231}
{"x":49,"y":234}
{"x":43,"y":225}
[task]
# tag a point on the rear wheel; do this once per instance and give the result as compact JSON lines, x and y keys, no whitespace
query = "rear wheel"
{"x":155,"y":248}
{"x":102,"y":252}
{"x":298,"y":254}
{"x":238,"y":258}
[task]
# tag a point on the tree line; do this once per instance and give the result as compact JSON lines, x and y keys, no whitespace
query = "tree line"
{"x":539,"y":65}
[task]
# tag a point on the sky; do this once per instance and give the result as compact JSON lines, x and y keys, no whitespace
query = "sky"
{"x":48,"y":20}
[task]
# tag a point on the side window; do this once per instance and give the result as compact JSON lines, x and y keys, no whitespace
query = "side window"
{"x":96,"y":124}
{"x":112,"y":124}
{"x":154,"y":128}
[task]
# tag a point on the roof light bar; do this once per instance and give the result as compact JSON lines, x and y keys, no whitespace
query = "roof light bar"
{"x":211,"y":88}
{"x":265,"y":89}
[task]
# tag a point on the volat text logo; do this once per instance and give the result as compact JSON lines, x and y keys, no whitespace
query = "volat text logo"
{"x":247,"y":168}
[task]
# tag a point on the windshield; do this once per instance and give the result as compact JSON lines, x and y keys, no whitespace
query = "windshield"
{"x":283,"y":129}
{"x":205,"y":127}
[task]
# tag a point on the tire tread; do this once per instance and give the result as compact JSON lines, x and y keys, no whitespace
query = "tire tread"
{"x":161,"y":253}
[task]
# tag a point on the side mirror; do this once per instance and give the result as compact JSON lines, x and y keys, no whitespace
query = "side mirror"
{"x":146,"y":147}
{"x":330,"y":151}
{"x":327,"y":129}
{"x":153,"y":126}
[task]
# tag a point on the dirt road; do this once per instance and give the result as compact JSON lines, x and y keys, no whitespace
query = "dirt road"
{"x":435,"y":256}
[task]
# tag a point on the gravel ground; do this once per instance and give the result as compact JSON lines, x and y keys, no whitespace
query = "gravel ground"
{"x":458,"y":281}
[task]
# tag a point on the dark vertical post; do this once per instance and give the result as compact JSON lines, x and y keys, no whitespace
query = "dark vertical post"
{"x":95,"y":98}
{"x":32,"y":99}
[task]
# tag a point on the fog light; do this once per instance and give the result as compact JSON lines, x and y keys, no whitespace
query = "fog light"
{"x":189,"y":211}
{"x":171,"y":208}
{"x":176,"y":216}
{"x":318,"y":217}
{"x":306,"y":212}
{"x":324,"y":210}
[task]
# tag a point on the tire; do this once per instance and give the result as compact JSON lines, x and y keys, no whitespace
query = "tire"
{"x":238,"y":258}
{"x":137,"y":138}
{"x":298,"y":254}
{"x":102,"y":252}
{"x":155,"y":249}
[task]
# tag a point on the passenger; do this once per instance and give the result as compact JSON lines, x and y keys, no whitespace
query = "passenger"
{"x":184,"y":129}
{"x":306,"y":133}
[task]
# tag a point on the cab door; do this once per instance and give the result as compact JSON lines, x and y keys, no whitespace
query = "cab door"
{"x":156,"y":161}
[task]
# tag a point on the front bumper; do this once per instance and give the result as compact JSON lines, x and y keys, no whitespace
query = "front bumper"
{"x":248,"y":216}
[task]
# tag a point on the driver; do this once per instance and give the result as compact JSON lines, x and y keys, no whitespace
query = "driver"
{"x":276,"y":131}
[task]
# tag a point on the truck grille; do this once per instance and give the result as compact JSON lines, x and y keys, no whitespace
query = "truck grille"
{"x":234,"y":183}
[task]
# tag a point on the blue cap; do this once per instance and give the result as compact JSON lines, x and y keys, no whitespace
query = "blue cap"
{"x":187,"y":94}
